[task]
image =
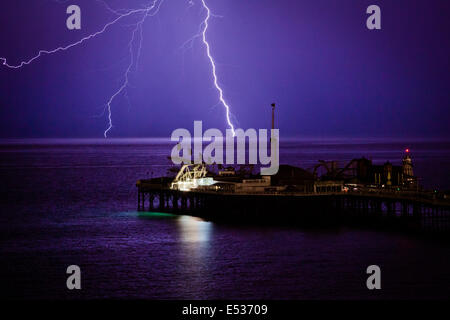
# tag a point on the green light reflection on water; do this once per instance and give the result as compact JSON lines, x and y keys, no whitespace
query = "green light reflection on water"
{"x":146,"y":215}
{"x":155,"y":215}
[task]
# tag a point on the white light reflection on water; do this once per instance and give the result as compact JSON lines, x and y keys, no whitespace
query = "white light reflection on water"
{"x":195,"y":256}
{"x":194,"y":229}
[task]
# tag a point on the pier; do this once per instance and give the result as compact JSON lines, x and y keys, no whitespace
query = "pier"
{"x":416,"y":212}
{"x":359,"y":192}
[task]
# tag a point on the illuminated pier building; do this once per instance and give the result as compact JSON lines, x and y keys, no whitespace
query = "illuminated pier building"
{"x":326,"y":176}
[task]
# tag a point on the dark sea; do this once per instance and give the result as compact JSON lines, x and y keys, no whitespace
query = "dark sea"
{"x":73,"y":202}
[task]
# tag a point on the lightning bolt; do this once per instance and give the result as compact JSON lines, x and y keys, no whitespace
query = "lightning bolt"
{"x":123,"y":87}
{"x":42,"y":52}
{"x":213,"y":66}
{"x":147,"y":11}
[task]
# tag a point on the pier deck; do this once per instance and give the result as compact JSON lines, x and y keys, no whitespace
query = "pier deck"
{"x":413,"y":211}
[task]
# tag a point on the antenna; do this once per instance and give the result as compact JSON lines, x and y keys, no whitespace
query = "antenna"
{"x":273,"y":120}
{"x":273,"y":115}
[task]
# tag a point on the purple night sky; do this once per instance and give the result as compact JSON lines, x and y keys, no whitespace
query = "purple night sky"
{"x":328,"y":73}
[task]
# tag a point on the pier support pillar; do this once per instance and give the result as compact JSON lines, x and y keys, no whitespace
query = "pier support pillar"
{"x":161,"y":201}
{"x":175,"y":202}
{"x":139,"y":200}
{"x":151,"y":199}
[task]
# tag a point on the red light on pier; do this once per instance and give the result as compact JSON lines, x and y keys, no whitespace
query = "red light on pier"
{"x":407,"y":150}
